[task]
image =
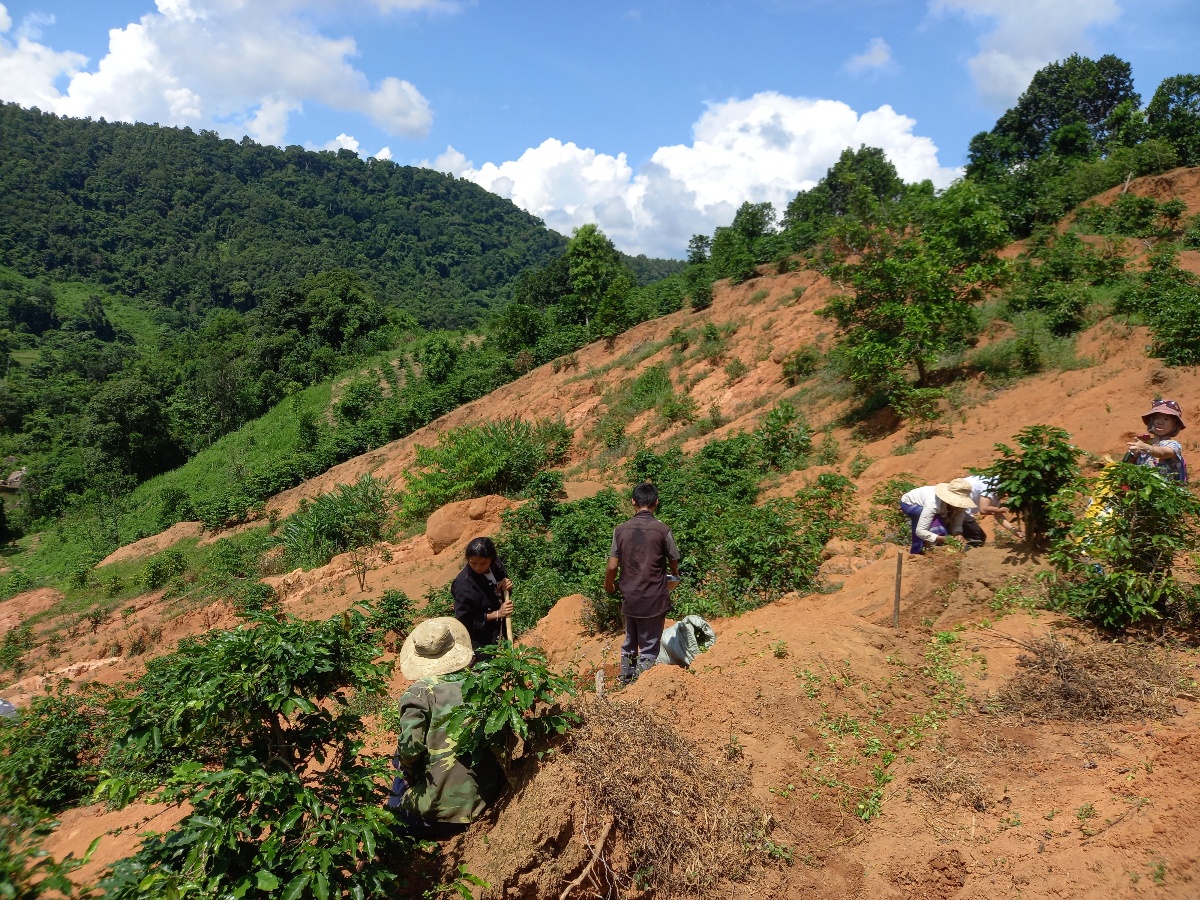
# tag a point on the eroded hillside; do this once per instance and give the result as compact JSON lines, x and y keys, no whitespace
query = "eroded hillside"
{"x":918,"y":762}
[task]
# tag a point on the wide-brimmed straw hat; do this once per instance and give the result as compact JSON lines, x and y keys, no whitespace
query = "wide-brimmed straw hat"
{"x":1167,"y":408}
{"x":955,"y":493}
{"x":436,"y":647}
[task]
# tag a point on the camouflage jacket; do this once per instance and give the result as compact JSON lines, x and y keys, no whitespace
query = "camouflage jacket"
{"x":441,"y":786}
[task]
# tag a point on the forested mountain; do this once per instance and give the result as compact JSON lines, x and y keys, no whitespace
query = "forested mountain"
{"x":191,"y":221}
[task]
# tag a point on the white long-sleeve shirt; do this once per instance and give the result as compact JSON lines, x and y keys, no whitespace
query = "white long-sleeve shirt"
{"x":927,"y":499}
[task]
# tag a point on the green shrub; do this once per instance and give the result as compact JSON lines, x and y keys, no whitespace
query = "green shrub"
{"x":494,"y":458}
{"x":1168,"y":300}
{"x":16,"y":582}
{"x":892,"y":524}
{"x":783,"y":438}
{"x":799,"y":364}
{"x":354,"y":515}
{"x":1117,"y":539}
{"x":438,"y":602}
{"x":13,"y":647}
{"x":48,"y":753}
{"x":1031,"y":476}
{"x":162,"y":568}
{"x":545,"y":489}
{"x":259,"y":713}
{"x":174,"y":505}
{"x":1134,"y":216}
{"x":393,"y":613}
{"x":27,"y":872}
{"x":359,"y":398}
{"x":253,"y":597}
{"x":712,"y":342}
{"x":511,"y":696}
{"x":735,"y":369}
{"x":678,"y":409}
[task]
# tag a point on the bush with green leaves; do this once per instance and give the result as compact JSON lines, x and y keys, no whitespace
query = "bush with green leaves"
{"x":352,"y":516}
{"x":497,"y":457}
{"x":393,"y":613}
{"x":1135,"y":216}
{"x":799,"y":364}
{"x":13,"y":647}
{"x":1031,"y":476}
{"x":1053,"y":276}
{"x":27,"y":872}
{"x":49,"y":752}
{"x":511,"y":696}
{"x":162,"y":568}
{"x":281,"y":798}
{"x":1167,"y":298}
{"x":1116,"y":542}
{"x":892,"y":525}
{"x":551,"y":553}
{"x":783,"y":437}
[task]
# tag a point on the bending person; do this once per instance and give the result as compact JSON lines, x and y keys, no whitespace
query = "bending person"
{"x":935,"y":511}
{"x":479,"y":594}
{"x":438,"y":788}
{"x":987,"y":503}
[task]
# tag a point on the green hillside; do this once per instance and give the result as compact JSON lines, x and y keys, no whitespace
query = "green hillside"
{"x":190,"y":221}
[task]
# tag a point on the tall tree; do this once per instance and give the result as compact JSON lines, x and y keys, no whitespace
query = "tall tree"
{"x":915,"y":284}
{"x":593,"y":265}
{"x":857,"y":184}
{"x":1076,"y":90}
{"x":1174,"y":115}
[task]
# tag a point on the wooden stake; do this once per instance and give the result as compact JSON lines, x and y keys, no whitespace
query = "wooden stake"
{"x":508,"y":622}
{"x":896,"y":602}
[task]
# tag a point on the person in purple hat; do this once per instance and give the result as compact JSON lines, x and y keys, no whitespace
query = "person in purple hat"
{"x":1159,"y":449}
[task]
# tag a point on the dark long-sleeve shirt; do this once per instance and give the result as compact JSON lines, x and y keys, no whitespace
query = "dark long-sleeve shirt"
{"x":474,"y":597}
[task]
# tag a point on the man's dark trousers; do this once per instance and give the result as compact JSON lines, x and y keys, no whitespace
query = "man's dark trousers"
{"x":640,"y":649}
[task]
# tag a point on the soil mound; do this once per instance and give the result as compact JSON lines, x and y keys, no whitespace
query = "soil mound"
{"x":156,"y":543}
{"x":452,"y":522}
{"x":20,"y":607}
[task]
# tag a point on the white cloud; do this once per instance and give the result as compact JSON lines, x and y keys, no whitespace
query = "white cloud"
{"x":5,"y":19}
{"x":765,"y":148}
{"x":1026,"y":35}
{"x":342,"y":142}
{"x":383,"y":153}
{"x":434,"y":6}
{"x":877,"y":55}
{"x":233,"y":66}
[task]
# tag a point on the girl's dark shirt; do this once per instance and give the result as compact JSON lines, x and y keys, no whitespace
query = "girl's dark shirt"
{"x":474,"y":598}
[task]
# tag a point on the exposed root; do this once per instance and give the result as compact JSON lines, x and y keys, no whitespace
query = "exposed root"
{"x":587,"y":870}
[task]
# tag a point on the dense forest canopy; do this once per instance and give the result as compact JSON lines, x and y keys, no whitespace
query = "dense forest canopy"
{"x":191,"y":222}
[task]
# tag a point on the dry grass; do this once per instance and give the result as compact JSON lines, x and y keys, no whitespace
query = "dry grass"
{"x":1102,"y":682}
{"x":684,"y":826}
{"x":949,"y":779}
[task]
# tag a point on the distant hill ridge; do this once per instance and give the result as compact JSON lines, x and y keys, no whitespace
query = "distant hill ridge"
{"x":192,"y":221}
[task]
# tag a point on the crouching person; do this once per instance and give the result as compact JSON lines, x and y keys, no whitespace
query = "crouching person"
{"x":439,"y":792}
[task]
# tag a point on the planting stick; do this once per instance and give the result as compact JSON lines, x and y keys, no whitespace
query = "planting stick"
{"x":896,"y":602}
{"x":508,"y":622}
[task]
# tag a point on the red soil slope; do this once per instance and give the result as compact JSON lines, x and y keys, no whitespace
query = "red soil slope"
{"x":1058,"y":810}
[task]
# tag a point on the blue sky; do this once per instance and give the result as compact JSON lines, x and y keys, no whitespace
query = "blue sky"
{"x":654,"y":119}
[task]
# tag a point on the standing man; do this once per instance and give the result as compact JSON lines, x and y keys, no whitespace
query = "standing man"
{"x":642,"y":550}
